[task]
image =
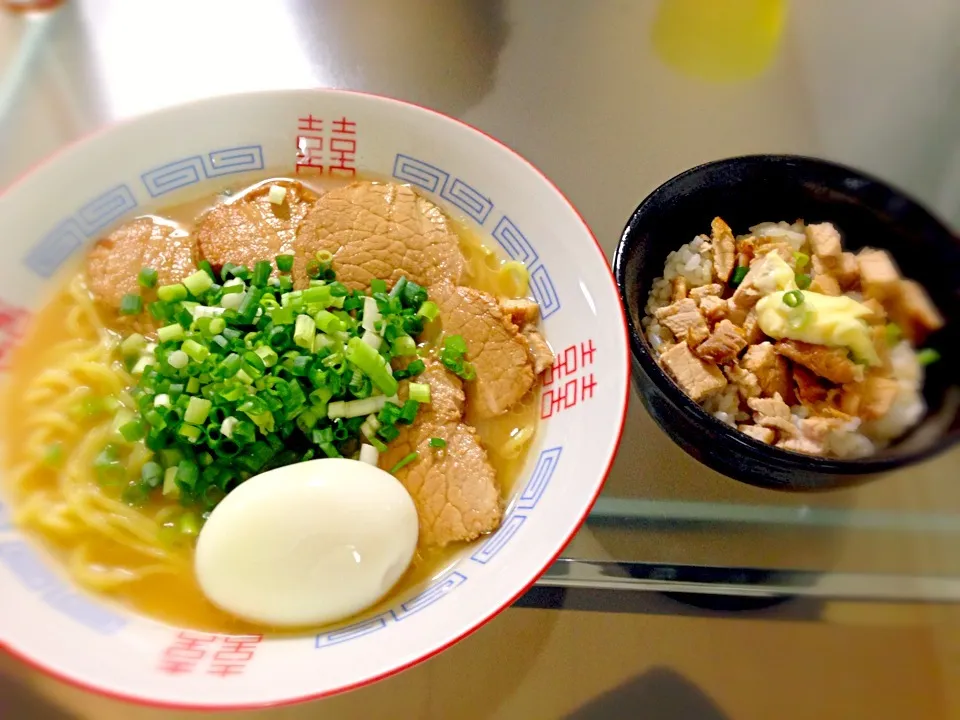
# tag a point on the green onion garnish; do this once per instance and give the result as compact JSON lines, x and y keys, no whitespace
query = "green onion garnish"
{"x":252,"y":375}
{"x":197,"y":283}
{"x":803,"y":280}
{"x":452,"y":356}
{"x":800,"y":260}
{"x":793,"y":299}
{"x":189,"y":523}
{"x":261,"y":273}
{"x":406,"y":460}
{"x":131,"y":304}
{"x":151,"y":474}
{"x":420,"y":392}
{"x":927,"y":356}
{"x":429,"y":310}
{"x":172,"y":293}
{"x":739,"y":274}
{"x":438,"y":442}
{"x":147,"y":277}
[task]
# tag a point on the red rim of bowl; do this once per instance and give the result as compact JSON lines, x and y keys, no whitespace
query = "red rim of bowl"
{"x":150,"y":702}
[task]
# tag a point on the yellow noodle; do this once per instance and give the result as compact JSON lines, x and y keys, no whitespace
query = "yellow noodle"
{"x":65,"y":501}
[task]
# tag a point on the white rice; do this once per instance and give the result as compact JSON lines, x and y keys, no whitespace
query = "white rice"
{"x":693,"y":263}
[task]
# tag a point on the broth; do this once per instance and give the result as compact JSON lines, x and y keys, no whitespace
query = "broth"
{"x":176,"y":597}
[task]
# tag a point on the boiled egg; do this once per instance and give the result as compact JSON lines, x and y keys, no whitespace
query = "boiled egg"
{"x":307,"y":544}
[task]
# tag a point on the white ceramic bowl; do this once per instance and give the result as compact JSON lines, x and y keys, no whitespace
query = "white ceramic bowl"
{"x":49,"y":217}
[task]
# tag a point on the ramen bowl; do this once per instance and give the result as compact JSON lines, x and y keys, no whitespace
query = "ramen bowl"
{"x":63,"y":206}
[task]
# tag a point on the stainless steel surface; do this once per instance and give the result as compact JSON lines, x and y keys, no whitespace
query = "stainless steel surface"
{"x":583,"y":90}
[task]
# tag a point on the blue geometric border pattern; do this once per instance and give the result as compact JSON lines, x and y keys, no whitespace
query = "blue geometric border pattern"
{"x":478,"y":206}
{"x":514,"y":243}
{"x":190,"y":170}
{"x":46,"y":257}
{"x":543,"y":291}
{"x":429,"y":596}
{"x":539,"y":478}
{"x":532,"y":492}
{"x":430,"y":178}
{"x":433,"y":179}
{"x":439,"y":590}
{"x":53,"y":250}
{"x":31,"y":572}
{"x":508,"y":528}
{"x":469,"y":200}
{"x":101,"y":211}
{"x":352,"y":632}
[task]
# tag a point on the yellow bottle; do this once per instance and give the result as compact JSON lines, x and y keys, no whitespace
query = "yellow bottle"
{"x":719,"y":40}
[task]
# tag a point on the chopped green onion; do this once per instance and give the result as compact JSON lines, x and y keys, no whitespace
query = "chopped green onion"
{"x":131,"y":304}
{"x":189,"y":524}
{"x":327,"y":322}
{"x":793,"y":299}
{"x":369,"y":454}
{"x":197,"y":283}
{"x":217,"y":325}
{"x":927,"y":356}
{"x":429,"y":310}
{"x":420,"y":392}
{"x":356,"y":408}
{"x":133,"y":345}
{"x":207,"y":268}
{"x":197,"y":411}
{"x":438,"y":442}
{"x":178,"y":359}
{"x":413,"y":295}
{"x":378,"y":286}
{"x":147,"y":277}
{"x":132,"y":431}
{"x":738,"y":275}
{"x":284,"y":263}
{"x":800,"y":260}
{"x":399,"y":287}
{"x":261,"y":273}
{"x":187,"y":474}
{"x":371,"y":364}
{"x":196,"y":351}
{"x":267,"y":356}
{"x":803,"y":281}
{"x":151,"y":474}
{"x":170,"y":333}
{"x":452,"y":357}
{"x":191,"y":433}
{"x":170,"y":488}
{"x":172,"y":293}
{"x":404,"y":345}
{"x":406,"y":460}
{"x":303,"y":332}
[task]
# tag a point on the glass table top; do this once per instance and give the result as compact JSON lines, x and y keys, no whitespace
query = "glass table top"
{"x":609,"y":98}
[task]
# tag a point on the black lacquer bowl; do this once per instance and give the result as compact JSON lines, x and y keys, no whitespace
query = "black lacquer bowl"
{"x":753,"y":189}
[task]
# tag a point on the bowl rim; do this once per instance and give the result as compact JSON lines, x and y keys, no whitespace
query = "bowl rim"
{"x":741,"y":442}
{"x":473,"y":626}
